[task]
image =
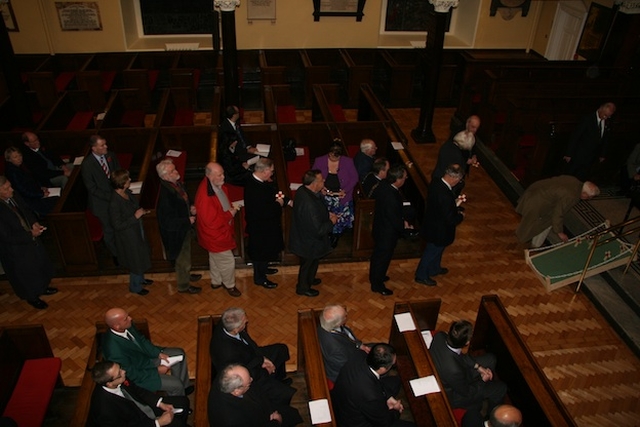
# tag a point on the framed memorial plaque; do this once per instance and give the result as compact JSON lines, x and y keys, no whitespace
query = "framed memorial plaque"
{"x":261,"y":9}
{"x":338,"y":8}
{"x":79,"y":16}
{"x":8,"y":16}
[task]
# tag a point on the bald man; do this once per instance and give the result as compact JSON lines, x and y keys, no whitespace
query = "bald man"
{"x":146,"y":364}
{"x":215,"y":226}
{"x":504,"y":416}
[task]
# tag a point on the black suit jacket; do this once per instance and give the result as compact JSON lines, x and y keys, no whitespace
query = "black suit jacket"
{"x":232,"y":161}
{"x":173,"y":219}
{"x":251,"y":410}
{"x":37,"y":165}
{"x":225,"y":350}
{"x":442,"y":216}
{"x":310,"y":226}
{"x":110,"y":410}
{"x":264,"y":220}
{"x":97,"y":183}
{"x":388,"y":221}
{"x":461,"y":382}
{"x":586,"y":144}
{"x":359,"y":398}
{"x":337,"y":348}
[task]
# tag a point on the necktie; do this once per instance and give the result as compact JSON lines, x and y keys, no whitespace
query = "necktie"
{"x":601,"y":127}
{"x":144,"y":408}
{"x":105,"y":168}
{"x":132,"y":338}
{"x":16,"y":209}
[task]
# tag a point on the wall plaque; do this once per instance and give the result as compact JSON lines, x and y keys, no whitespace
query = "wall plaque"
{"x":8,"y":16}
{"x":79,"y":16}
{"x":261,"y":9}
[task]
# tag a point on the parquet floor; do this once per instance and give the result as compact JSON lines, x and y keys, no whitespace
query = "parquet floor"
{"x":595,"y":374}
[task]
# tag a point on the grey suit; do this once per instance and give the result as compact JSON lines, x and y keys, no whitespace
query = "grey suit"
{"x":100,"y":189}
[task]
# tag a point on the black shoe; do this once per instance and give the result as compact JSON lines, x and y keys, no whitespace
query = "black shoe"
{"x":191,"y":290}
{"x":38,"y":303}
{"x":386,"y":278}
{"x":428,"y":281}
{"x":195,"y":277}
{"x":142,"y":292}
{"x":216,"y":286}
{"x":316,"y":282}
{"x":442,"y":271}
{"x":287,"y":381}
{"x":272,"y":270}
{"x":268,"y":284}
{"x":384,"y":291}
{"x":308,"y":293}
{"x":147,"y":282}
{"x":50,"y":291}
{"x":189,"y":390}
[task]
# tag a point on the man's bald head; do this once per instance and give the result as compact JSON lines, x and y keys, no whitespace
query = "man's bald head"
{"x":117,"y":319}
{"x":505,"y":416}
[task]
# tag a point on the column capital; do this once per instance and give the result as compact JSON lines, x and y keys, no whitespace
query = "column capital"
{"x":226,"y":5}
{"x":443,"y":6}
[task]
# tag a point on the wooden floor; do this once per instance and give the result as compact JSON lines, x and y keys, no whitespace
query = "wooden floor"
{"x":595,"y":374}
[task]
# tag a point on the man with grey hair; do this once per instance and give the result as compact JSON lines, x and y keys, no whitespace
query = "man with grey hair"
{"x":545,"y":203}
{"x":363,"y":160}
{"x":442,"y":216}
{"x":234,"y":401}
{"x":176,"y":216}
{"x":231,"y":343}
{"x":337,"y":341}
{"x":215,"y":227}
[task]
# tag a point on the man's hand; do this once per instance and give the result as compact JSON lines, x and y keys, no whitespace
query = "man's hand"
{"x":563,"y":237}
{"x":567,"y":159}
{"x":280,"y":201}
{"x":365,"y":348}
{"x":394,"y":404}
{"x":166,"y":418}
{"x":485,"y":373}
{"x":252,"y":150}
{"x":333,"y":217}
{"x":37,"y":229}
{"x":269,"y":366}
{"x":165,"y":406}
{"x":163,"y":356}
{"x":192,"y":210}
{"x":163,"y":369}
{"x":276,"y":416}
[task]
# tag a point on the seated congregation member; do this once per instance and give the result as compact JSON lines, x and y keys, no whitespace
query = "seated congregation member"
{"x":504,"y":416}
{"x":146,"y":364}
{"x":96,"y":173}
{"x":49,"y":169}
{"x":233,"y":402}
{"x":118,"y":402}
{"x":176,"y":217}
{"x":231,"y":343}
{"x":234,"y":148}
{"x":337,"y":341}
{"x":263,"y":205}
{"x":468,"y":381}
{"x":340,"y":178}
{"x":361,"y":398}
{"x":22,"y":254}
{"x":131,"y":248}
{"x":26,"y":185}
{"x":364,"y":159}
{"x":373,"y":179}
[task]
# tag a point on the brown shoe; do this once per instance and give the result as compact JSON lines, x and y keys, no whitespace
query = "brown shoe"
{"x":234,"y":292}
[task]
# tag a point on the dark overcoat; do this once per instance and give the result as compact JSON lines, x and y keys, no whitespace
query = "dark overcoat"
{"x":133,"y":251}
{"x":442,"y":216}
{"x":310,"y":226}
{"x":264,"y":220}
{"x":173,"y":214}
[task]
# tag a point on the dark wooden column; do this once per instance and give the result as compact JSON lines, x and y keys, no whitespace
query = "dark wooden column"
{"x":436,"y":24}
{"x":230,"y":55}
{"x":14,"y":82}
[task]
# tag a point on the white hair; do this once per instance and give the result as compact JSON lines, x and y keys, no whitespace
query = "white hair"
{"x":464,"y":140}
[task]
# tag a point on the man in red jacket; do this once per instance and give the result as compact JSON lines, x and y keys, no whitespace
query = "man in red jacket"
{"x":215,"y":228}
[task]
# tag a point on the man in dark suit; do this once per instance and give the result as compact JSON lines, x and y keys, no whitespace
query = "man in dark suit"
{"x":96,"y":172}
{"x":46,"y":167}
{"x":234,"y":148}
{"x":467,"y":380}
{"x":147,"y":364}
{"x":388,"y":227}
{"x":442,"y":215}
{"x":311,"y":226}
{"x":361,"y":399}
{"x":231,"y":343}
{"x":176,"y":217}
{"x":337,"y":341}
{"x":233,"y":402}
{"x":263,"y":205}
{"x":364,"y":159}
{"x":118,"y":402}
{"x":374,"y":178}
{"x":589,"y":141}
{"x":24,"y":258}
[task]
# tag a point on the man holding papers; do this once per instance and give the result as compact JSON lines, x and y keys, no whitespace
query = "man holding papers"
{"x":361,"y":399}
{"x":146,"y":364}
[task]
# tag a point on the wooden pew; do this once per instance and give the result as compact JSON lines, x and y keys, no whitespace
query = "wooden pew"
{"x":83,"y":404}
{"x":326,"y":105}
{"x":102,"y":74}
{"x":360,"y":66}
{"x":72,"y":112}
{"x":414,"y":361}
{"x":148,"y":72}
{"x":177,"y":108}
{"x":401,"y":68}
{"x":529,"y":389}
{"x":280,"y":66}
{"x":124,"y":110}
{"x":279,"y":106}
{"x":321,"y":66}
{"x":56,"y":75}
{"x":204,"y":369}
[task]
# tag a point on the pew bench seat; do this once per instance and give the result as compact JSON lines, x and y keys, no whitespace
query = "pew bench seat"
{"x":32,"y":393}
{"x":80,"y":121}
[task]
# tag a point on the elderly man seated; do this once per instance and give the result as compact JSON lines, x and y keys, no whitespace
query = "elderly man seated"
{"x":147,"y":364}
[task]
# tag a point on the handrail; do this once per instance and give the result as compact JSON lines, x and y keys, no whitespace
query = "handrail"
{"x":616,"y":235}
